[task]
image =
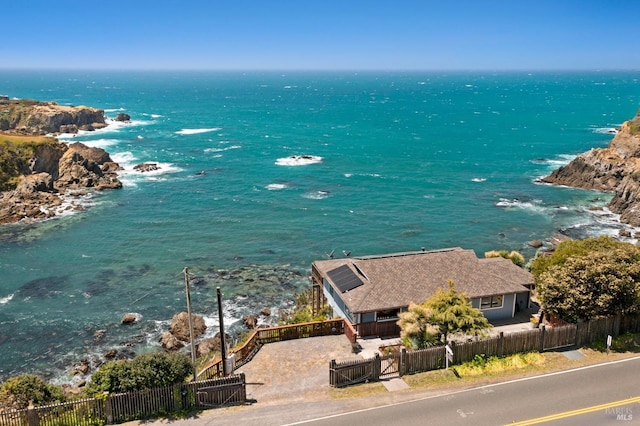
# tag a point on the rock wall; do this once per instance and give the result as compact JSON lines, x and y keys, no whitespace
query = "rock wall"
{"x":615,"y":169}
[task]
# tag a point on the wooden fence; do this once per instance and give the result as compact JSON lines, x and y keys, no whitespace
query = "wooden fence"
{"x":539,"y":339}
{"x":138,"y":405}
{"x":261,"y":336}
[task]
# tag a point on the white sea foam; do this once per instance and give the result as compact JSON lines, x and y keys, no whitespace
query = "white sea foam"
{"x":197,"y":131}
{"x":606,"y":130}
{"x":130,"y":177}
{"x":533,"y":205}
{"x":5,"y":300}
{"x":223,"y":149}
{"x":96,"y":143}
{"x":478,"y":180}
{"x":276,"y":186}
{"x":299,"y":160}
{"x":317,"y":195}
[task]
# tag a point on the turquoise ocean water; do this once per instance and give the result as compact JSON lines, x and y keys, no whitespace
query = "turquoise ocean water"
{"x":396,"y":162}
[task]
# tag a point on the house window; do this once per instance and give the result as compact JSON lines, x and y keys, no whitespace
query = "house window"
{"x":491,"y":302}
{"x":390,"y":314}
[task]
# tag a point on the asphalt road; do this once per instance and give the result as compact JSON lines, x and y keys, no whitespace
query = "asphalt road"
{"x":594,"y":395}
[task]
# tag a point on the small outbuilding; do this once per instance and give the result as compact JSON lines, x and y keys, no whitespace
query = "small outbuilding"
{"x":371,"y":291}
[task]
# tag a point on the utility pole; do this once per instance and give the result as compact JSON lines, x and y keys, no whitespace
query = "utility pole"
{"x":223,"y":346}
{"x":193,"y":343}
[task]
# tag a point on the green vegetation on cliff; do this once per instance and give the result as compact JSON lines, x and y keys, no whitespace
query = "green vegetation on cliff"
{"x":15,"y":153}
{"x":634,"y":124}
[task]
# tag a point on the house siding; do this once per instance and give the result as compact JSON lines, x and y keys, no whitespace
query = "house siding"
{"x":335,"y":301}
{"x":506,"y":311}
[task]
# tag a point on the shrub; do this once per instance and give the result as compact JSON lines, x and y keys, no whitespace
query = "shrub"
{"x":145,"y":371}
{"x":514,"y":256}
{"x":18,"y":391}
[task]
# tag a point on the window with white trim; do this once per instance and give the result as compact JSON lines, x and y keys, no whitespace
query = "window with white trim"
{"x":491,"y":302}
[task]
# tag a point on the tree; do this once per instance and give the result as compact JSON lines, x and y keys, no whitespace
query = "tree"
{"x":17,"y":392}
{"x":595,"y":284}
{"x":149,"y":370}
{"x":415,"y":330}
{"x":445,"y":313}
{"x":574,"y":248}
{"x":453,"y":313}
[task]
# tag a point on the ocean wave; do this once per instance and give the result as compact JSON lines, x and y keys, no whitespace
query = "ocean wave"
{"x":276,"y":186}
{"x":197,"y":131}
{"x":533,"y":205}
{"x":605,"y":130}
{"x":222,"y":149}
{"x":299,"y":160}
{"x":130,"y":177}
{"x":478,"y":180}
{"x":316,"y":195}
{"x":95,"y":143}
{"x":6,"y":299}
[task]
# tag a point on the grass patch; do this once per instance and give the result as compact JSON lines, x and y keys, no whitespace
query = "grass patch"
{"x":627,"y":342}
{"x":15,"y":153}
{"x":360,"y":391}
{"x":481,"y":364}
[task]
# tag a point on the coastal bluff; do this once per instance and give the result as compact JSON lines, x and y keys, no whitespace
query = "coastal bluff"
{"x":615,"y":169}
{"x":41,"y":177}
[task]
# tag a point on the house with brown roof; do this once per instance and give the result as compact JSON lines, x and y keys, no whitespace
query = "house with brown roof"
{"x":371,"y":291}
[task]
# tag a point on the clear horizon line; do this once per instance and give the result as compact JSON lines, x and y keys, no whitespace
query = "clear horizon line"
{"x":301,"y":70}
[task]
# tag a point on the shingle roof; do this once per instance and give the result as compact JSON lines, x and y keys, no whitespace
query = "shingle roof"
{"x":395,"y":280}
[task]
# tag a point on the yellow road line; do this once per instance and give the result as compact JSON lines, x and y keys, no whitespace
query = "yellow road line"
{"x":576,"y":412}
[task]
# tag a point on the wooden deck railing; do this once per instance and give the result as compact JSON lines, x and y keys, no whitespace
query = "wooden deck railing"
{"x":260,"y":336}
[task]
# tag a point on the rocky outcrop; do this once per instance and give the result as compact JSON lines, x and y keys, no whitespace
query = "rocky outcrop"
{"x":180,"y":326}
{"x":39,"y":118}
{"x":615,"y":169}
{"x":146,"y":167}
{"x":52,"y":172}
{"x":81,"y":167}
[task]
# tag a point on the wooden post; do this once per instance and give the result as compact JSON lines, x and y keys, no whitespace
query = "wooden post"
{"x":223,"y":345}
{"x":332,"y":373}
{"x":542,"y":330}
{"x":193,"y":343}
{"x":402,"y":367}
{"x":108,"y":409}
{"x":377,"y":367}
{"x":32,"y":415}
{"x":501,"y":344}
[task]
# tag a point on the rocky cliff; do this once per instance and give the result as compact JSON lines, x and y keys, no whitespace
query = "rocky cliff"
{"x":55,"y":174}
{"x":38,"y":118}
{"x":41,"y":177}
{"x":615,"y":169}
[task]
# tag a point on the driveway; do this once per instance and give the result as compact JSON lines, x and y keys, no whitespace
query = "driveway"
{"x":294,"y":370}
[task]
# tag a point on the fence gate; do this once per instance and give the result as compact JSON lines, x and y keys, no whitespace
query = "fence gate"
{"x":390,"y":365}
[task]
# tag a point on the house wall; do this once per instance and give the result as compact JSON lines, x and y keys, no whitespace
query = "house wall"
{"x":334,"y":300}
{"x":506,"y":311}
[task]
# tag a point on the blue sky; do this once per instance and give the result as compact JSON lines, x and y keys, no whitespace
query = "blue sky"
{"x":321,"y":34}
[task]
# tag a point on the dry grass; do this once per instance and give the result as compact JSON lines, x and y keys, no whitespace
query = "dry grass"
{"x":16,"y":139}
